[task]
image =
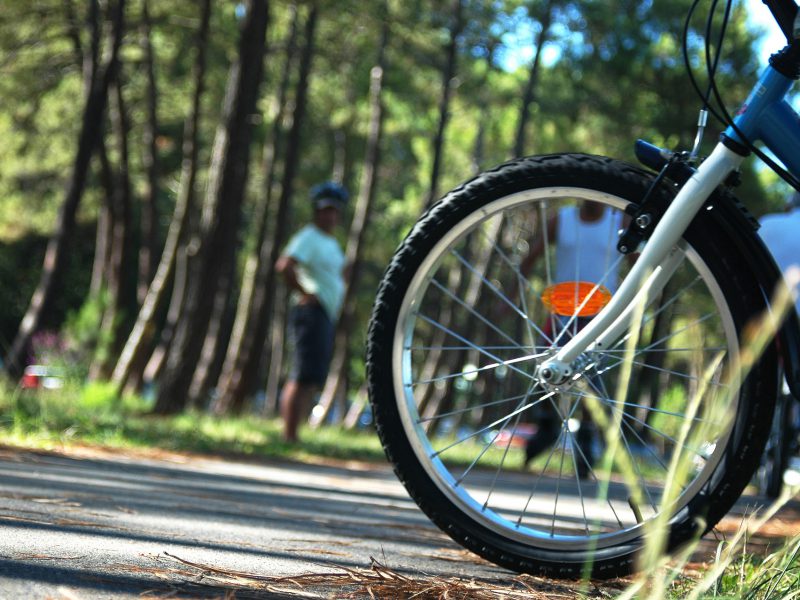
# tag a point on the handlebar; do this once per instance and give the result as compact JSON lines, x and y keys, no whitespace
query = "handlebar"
{"x":785,"y":13}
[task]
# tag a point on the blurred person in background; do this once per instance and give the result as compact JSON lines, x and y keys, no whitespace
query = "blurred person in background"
{"x":312,"y":264}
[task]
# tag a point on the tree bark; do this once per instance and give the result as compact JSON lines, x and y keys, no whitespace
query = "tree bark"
{"x":217,"y":339}
{"x":240,"y":370}
{"x":99,"y":77}
{"x":221,"y":211}
{"x":148,"y":250}
{"x":533,"y":78}
{"x":102,"y":245}
{"x":355,"y":241}
{"x":485,"y":110}
{"x":275,"y":351}
{"x":131,"y":362}
{"x":73,"y":30}
{"x":448,"y":77}
{"x":186,"y":254}
{"x":117,"y":283}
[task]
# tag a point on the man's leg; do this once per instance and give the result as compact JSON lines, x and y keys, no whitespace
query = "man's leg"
{"x":295,"y":398}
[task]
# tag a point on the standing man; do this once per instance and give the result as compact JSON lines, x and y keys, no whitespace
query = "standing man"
{"x":312,"y":265}
{"x":585,"y":242}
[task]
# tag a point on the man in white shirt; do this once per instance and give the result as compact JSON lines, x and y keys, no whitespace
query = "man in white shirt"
{"x":585,"y":240}
{"x":312,"y":265}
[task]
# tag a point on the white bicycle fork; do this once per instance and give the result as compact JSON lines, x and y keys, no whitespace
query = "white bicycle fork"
{"x":659,"y":259}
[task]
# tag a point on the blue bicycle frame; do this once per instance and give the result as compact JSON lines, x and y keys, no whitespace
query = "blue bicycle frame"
{"x":766,"y":116}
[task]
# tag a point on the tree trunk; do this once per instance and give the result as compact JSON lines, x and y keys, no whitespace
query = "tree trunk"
{"x":117,"y":281}
{"x":276,"y":352}
{"x":485,"y":108}
{"x":99,"y":77}
{"x":217,"y":337}
{"x":148,"y":250}
{"x":221,"y":210}
{"x":132,"y":360}
{"x":240,"y":369}
{"x":448,"y":77}
{"x":74,"y":27}
{"x":273,"y":350}
{"x":222,"y":335}
{"x":183,"y":261}
{"x":533,"y":78}
{"x":102,"y":245}
{"x":358,"y":229}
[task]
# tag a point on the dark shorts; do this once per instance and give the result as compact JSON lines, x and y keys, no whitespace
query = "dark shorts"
{"x":311,"y":339}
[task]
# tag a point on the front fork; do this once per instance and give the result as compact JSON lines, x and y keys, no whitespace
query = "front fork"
{"x":660,"y":257}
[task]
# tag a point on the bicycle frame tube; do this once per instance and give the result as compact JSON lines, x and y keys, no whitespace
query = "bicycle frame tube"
{"x":766,"y":116}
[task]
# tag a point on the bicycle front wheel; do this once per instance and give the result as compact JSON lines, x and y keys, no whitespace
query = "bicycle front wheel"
{"x":563,"y":480}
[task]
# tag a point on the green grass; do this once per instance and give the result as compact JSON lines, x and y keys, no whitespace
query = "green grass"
{"x":749,"y":576}
{"x":90,"y":415}
{"x":754,"y":577}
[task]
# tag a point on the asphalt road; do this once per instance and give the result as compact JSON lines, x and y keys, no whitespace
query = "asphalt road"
{"x":101,"y":525}
{"x":108,"y":526}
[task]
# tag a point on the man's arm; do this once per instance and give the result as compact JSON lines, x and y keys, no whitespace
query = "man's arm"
{"x":287,"y":267}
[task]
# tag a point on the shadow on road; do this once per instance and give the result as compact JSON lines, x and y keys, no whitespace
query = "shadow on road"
{"x":99,"y":524}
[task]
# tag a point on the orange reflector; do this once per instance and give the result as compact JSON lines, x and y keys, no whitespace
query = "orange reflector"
{"x":567,"y":297}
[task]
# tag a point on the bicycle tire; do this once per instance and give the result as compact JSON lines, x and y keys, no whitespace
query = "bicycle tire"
{"x":440,"y":487}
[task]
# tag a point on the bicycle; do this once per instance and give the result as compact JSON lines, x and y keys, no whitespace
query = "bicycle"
{"x":464,"y":348}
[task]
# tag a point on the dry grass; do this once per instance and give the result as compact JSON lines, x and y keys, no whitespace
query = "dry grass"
{"x":377,"y":581}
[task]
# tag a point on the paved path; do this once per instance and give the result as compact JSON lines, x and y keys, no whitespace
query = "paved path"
{"x":100,"y":525}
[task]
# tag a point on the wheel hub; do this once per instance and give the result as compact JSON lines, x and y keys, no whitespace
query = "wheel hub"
{"x":557,"y":376}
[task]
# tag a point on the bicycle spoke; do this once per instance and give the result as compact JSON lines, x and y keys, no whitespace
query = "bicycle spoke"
{"x":564,"y":425}
{"x":539,"y":478}
{"x":658,"y":342}
{"x":665,"y":350}
{"x":675,"y":442}
{"x":487,"y":347}
{"x":642,"y":481}
{"x":606,"y":398}
{"x":648,"y":408}
{"x":580,"y":491}
{"x":678,"y":374}
{"x":471,"y":408}
{"x":487,"y":446}
{"x":502,"y":459}
{"x":499,"y":293}
{"x":652,"y":316}
{"x":483,"y":369}
{"x":491,"y":425}
{"x":471,"y":310}
{"x":448,"y":331}
{"x":525,"y":287}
